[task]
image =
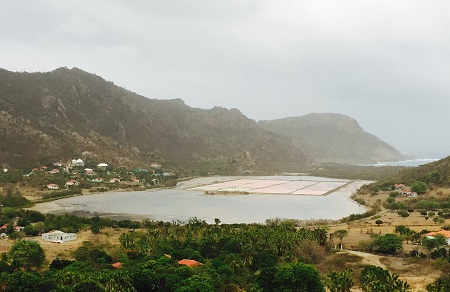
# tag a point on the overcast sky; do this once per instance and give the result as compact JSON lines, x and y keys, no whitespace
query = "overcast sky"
{"x":384,"y":63}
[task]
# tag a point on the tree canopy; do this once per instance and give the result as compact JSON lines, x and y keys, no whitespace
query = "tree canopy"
{"x":27,"y":254}
{"x":388,"y":243}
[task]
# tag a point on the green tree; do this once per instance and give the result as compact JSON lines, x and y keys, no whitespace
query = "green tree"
{"x":419,"y":187}
{"x":403,"y":213}
{"x":433,"y":177}
{"x":340,"y":281}
{"x":27,"y":254}
{"x":376,"y":279}
{"x":197,"y":283}
{"x":388,"y":243}
{"x":297,"y":277}
{"x":340,"y":234}
{"x":88,"y":286}
{"x":22,"y":281}
{"x":441,"y":284}
{"x":437,"y":241}
{"x":402,"y":230}
{"x":379,"y":222}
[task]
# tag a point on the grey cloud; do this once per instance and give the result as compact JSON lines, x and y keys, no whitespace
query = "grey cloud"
{"x":386,"y":63}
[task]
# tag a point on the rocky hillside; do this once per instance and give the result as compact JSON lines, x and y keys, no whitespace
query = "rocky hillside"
{"x":334,"y":138}
{"x":69,"y":113}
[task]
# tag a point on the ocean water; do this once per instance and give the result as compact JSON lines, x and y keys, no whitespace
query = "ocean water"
{"x":422,"y":157}
{"x":412,"y":163}
{"x":181,"y":204}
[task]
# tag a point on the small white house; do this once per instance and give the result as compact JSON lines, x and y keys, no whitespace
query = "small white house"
{"x":52,"y":186}
{"x":71,"y":183}
{"x":59,"y":236}
{"x":102,"y":165}
{"x":77,"y":162}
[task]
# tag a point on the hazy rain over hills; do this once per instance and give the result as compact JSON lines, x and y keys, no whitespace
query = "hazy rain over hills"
{"x":384,"y":63}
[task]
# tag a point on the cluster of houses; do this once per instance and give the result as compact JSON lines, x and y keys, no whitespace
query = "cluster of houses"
{"x":74,"y":168}
{"x":404,"y":191}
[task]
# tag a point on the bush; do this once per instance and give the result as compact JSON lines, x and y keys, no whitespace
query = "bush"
{"x":13,"y":200}
{"x":388,"y":243}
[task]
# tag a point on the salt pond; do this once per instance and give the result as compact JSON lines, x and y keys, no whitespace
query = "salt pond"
{"x":181,"y":203}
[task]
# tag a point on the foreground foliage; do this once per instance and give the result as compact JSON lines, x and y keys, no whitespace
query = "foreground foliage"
{"x":235,"y":257}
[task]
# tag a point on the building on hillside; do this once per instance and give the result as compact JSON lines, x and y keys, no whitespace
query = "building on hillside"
{"x":445,"y":233}
{"x":53,"y":187}
{"x":77,"y":162}
{"x":19,"y":228}
{"x":114,"y":180}
{"x":59,"y":236}
{"x":102,"y":165}
{"x":155,"y":165}
{"x":190,"y":263}
{"x":54,"y":171}
{"x":89,"y":171}
{"x":72,"y":183}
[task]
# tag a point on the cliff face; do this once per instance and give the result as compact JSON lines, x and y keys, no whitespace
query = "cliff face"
{"x":334,"y":138}
{"x":69,"y":113}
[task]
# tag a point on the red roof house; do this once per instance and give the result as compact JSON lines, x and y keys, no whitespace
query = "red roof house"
{"x":117,"y":265}
{"x":190,"y":263}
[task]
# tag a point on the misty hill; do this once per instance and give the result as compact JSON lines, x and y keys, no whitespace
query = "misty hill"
{"x":334,"y":138}
{"x":69,"y":113}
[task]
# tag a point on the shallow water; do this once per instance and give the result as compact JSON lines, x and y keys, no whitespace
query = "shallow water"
{"x":181,"y":204}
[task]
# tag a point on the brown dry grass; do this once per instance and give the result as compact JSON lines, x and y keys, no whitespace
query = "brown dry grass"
{"x":417,"y":272}
{"x":108,"y":239}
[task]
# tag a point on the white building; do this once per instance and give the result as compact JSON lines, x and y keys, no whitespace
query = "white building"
{"x":59,"y":236}
{"x":52,"y":186}
{"x":77,"y":162}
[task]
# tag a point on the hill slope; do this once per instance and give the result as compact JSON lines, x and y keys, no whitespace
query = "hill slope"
{"x":437,"y":173}
{"x":335,"y":138}
{"x":68,"y":113}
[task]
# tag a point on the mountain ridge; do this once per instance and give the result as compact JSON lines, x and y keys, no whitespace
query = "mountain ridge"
{"x":67,"y":113}
{"x":337,"y":138}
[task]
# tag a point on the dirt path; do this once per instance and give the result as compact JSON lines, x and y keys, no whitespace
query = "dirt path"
{"x":367,"y":258}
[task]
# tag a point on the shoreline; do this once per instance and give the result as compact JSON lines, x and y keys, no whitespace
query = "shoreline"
{"x":231,"y":208}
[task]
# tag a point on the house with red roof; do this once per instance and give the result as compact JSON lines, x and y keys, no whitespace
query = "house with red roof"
{"x":117,"y":265}
{"x":19,"y":228}
{"x":155,"y":165}
{"x":445,"y":233}
{"x":190,"y":263}
{"x":54,"y":171}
